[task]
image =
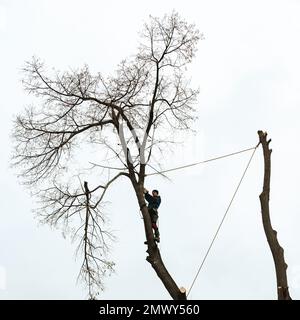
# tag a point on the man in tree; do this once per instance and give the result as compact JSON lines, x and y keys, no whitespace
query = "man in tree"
{"x":153,"y":204}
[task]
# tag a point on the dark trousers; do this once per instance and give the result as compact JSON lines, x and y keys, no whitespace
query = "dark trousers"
{"x":154,"y":217}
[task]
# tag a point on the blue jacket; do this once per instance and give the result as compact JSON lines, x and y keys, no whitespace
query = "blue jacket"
{"x":153,"y":202}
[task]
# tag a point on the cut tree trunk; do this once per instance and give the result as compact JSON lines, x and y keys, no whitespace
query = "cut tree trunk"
{"x":276,"y":249}
{"x":154,"y":257}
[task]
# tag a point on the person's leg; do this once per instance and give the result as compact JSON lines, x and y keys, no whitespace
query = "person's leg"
{"x":156,"y":233}
{"x":154,"y":218}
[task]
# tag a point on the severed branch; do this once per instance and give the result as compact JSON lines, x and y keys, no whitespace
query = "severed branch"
{"x":271,"y":234}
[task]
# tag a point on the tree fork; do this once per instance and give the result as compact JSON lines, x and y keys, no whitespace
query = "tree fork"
{"x":271,"y":234}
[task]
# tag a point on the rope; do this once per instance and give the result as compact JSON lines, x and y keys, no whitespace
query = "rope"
{"x":200,"y":162}
{"x":157,"y":172}
{"x":141,"y":216}
{"x":220,"y":225}
{"x":140,"y":211}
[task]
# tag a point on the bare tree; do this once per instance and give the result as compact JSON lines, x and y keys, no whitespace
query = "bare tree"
{"x":124,"y":117}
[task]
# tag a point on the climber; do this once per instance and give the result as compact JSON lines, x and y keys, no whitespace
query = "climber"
{"x":154,"y":201}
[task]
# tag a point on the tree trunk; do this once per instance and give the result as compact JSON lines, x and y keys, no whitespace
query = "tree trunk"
{"x":276,"y":249}
{"x":154,"y":257}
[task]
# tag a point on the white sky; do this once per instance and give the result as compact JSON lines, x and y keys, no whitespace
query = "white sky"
{"x":248,"y":70}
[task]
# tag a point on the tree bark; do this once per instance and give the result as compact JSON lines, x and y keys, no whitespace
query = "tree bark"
{"x":276,"y":249}
{"x":154,"y":257}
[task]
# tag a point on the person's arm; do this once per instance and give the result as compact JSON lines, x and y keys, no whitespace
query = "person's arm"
{"x":148,"y":197}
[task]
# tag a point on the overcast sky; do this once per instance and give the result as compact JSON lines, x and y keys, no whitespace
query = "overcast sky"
{"x":248,"y":71}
